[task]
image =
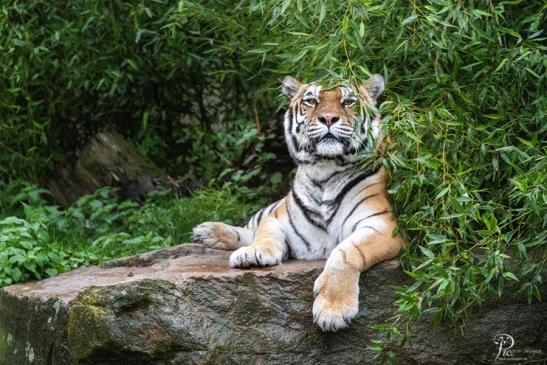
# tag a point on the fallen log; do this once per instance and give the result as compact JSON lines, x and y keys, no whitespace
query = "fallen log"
{"x":107,"y":160}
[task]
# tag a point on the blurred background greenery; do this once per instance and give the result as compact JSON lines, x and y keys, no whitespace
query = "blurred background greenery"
{"x":195,"y":85}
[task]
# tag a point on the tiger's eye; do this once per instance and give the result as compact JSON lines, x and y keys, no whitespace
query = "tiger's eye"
{"x":310,"y":102}
{"x":348,"y":102}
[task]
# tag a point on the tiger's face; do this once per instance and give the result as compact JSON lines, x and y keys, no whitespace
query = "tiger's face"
{"x":329,"y":123}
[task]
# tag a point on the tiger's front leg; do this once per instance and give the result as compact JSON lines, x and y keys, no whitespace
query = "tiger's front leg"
{"x":336,"y":290}
{"x":267,"y":249}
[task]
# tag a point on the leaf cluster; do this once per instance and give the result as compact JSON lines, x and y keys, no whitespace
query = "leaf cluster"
{"x":193,"y":81}
{"x":44,"y":240}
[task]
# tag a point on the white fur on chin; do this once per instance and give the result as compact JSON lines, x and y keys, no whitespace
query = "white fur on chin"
{"x":329,"y":148}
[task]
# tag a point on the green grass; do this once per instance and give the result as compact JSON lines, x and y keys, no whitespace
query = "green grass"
{"x":44,"y":240}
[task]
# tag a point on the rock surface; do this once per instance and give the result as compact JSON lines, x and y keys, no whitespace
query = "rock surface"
{"x":184,"y":305}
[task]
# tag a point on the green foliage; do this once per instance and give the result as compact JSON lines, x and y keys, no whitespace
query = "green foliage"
{"x":248,"y":166}
{"x":45,"y":240}
{"x":70,"y":68}
{"x":239,"y":160}
{"x":16,"y":194}
{"x":464,"y":106}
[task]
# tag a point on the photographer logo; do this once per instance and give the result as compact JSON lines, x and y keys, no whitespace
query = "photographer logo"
{"x":505,"y":350}
{"x":505,"y":343}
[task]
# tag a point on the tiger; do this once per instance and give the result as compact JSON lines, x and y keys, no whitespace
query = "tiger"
{"x":335,"y":209}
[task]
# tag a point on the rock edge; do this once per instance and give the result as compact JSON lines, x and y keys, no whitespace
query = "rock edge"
{"x":185,"y":305}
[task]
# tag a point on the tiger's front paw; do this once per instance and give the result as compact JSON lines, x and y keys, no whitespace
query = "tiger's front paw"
{"x":336,"y":299}
{"x":215,"y":235}
{"x":256,"y":255}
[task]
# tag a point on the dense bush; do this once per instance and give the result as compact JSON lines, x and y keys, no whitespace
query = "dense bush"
{"x":69,"y":68}
{"x":465,"y":107}
{"x":45,"y":240}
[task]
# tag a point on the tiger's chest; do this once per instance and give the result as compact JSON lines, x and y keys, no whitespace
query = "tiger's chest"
{"x":313,"y":237}
{"x":321,"y":210}
{"x":314,"y":225}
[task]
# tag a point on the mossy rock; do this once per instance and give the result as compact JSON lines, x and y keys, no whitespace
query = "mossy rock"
{"x":184,"y":305}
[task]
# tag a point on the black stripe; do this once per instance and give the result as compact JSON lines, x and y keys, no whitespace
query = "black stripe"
{"x":350,"y":150}
{"x":342,"y":162}
{"x":238,"y":236}
{"x":355,"y":178}
{"x":295,"y":145}
{"x":313,"y":197}
{"x":338,"y":160}
{"x":350,"y":185}
{"x":359,"y":222}
{"x":344,"y":258}
{"x":306,"y":162}
{"x":374,"y":120}
{"x":298,"y":124}
{"x":347,"y":129}
{"x":301,"y":204}
{"x":331,"y":176}
{"x":272,"y":207}
{"x":260,"y":213}
{"x":314,"y":182}
{"x":292,"y":140}
{"x":290,"y":116}
{"x":291,"y":222}
{"x":253,"y":221}
{"x":373,"y":184}
{"x":385,"y":211}
{"x":360,"y":253}
{"x":364,"y":123}
{"x":307,"y":211}
{"x":355,"y":207}
{"x":289,"y":249}
{"x":370,"y":216}
{"x":317,"y":201}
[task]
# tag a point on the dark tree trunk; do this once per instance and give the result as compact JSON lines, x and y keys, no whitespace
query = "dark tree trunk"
{"x":107,"y":160}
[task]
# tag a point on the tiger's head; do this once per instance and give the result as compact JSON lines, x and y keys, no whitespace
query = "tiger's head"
{"x":330,"y":124}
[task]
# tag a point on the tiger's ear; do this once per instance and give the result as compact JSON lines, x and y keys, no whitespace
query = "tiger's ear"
{"x":290,"y":86}
{"x":374,"y":87}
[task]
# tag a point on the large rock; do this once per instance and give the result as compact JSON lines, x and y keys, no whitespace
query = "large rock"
{"x":184,"y":305}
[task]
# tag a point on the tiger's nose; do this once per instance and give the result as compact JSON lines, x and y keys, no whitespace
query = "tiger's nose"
{"x":328,"y":119}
